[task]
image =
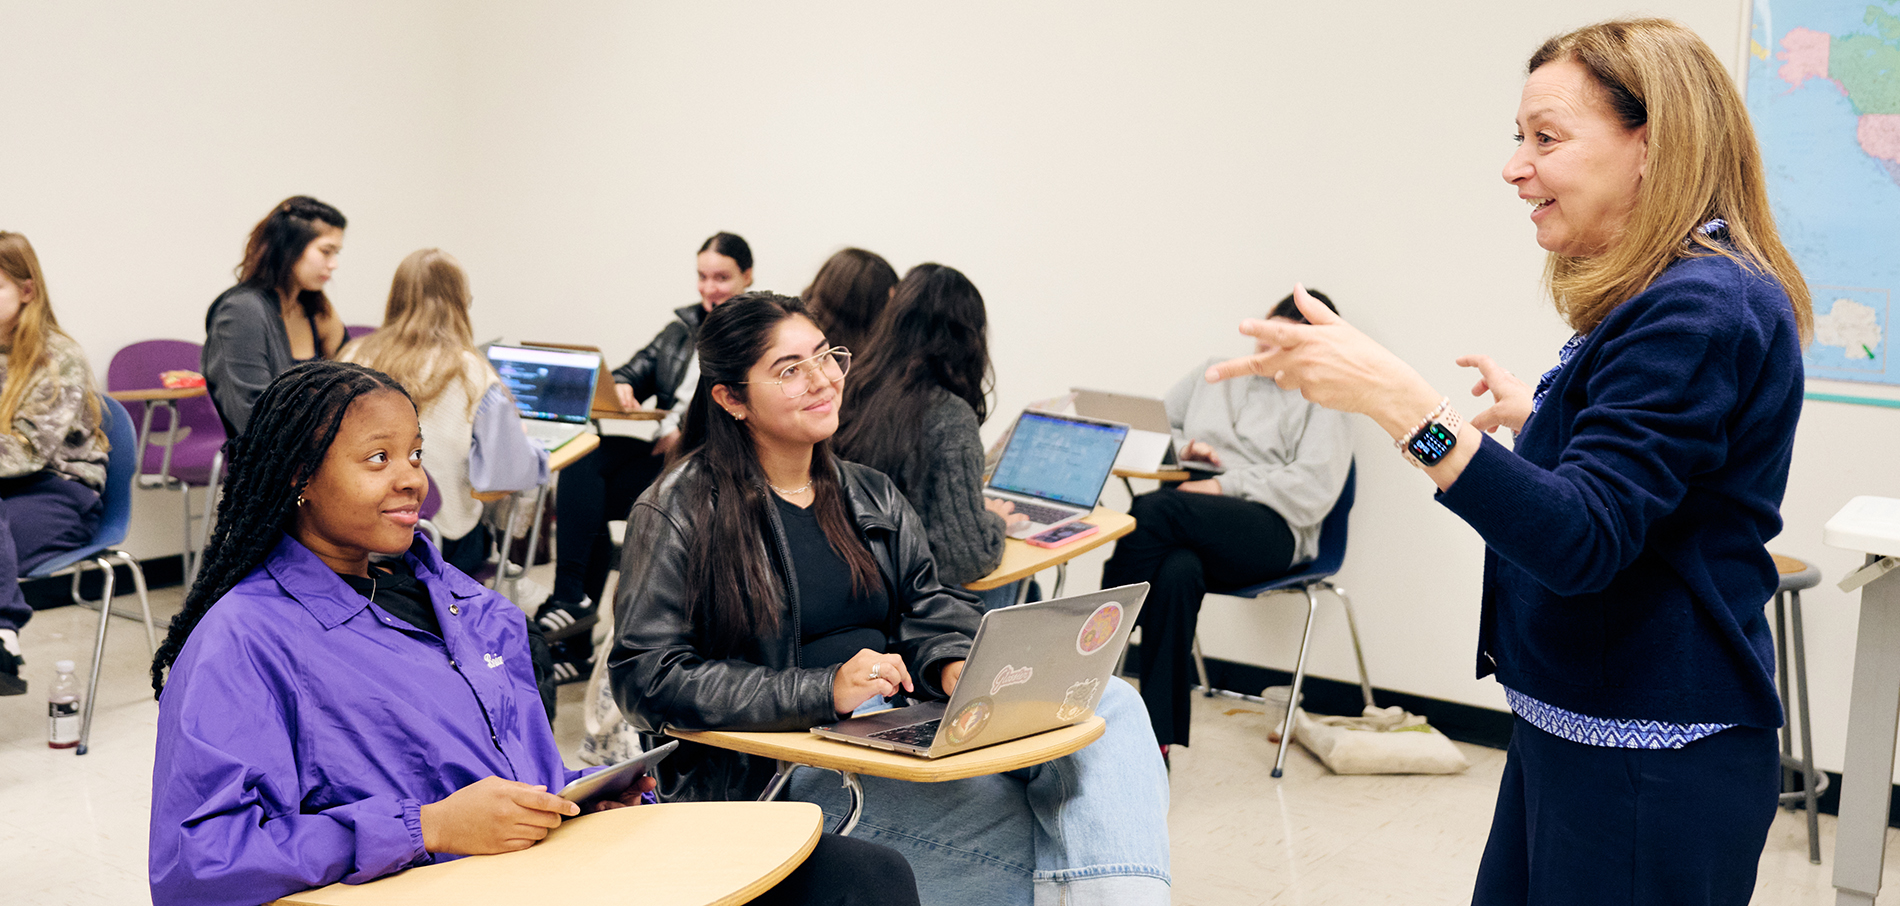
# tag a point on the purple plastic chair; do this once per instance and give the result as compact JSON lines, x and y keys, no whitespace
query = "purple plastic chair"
{"x":357,"y":331}
{"x":182,"y":440}
{"x":431,"y":505}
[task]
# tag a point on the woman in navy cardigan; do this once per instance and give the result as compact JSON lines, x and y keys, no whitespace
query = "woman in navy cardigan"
{"x":1625,"y":570}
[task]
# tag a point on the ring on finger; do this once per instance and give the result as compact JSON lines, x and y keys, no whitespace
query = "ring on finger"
{"x":874,"y":670}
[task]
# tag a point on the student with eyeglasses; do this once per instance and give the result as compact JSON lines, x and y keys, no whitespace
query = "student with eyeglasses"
{"x":778,"y":588}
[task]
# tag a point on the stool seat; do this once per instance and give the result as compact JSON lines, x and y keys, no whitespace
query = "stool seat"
{"x":1796,"y":574}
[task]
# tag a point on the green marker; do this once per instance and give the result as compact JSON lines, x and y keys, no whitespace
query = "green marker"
{"x":1870,"y":353}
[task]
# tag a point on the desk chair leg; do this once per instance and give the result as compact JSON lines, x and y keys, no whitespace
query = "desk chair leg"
{"x":1022,"y":590}
{"x":1781,"y":679}
{"x":1358,"y":653}
{"x":1130,"y":486}
{"x":1299,"y":681}
{"x":1062,"y":576}
{"x":1813,"y":784}
{"x":851,"y":786}
{"x":98,"y":654}
{"x":213,"y":490}
{"x":145,"y":600}
{"x":1200,"y":667}
{"x":779,"y":780}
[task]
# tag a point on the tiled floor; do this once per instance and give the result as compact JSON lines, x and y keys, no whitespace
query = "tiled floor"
{"x":73,"y":830}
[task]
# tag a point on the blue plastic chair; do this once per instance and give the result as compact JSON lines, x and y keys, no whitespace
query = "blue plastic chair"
{"x":100,"y":554}
{"x":1311,"y":578}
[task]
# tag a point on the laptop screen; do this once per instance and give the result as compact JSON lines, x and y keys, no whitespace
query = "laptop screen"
{"x":1058,"y":458}
{"x":548,"y":384}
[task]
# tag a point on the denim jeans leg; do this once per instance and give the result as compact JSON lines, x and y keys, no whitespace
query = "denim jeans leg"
{"x":1102,"y":813}
{"x":1089,"y":828}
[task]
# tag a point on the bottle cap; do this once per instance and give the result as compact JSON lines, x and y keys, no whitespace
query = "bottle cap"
{"x":63,"y":666}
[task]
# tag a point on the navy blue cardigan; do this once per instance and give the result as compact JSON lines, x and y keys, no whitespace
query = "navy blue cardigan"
{"x":1625,"y":569}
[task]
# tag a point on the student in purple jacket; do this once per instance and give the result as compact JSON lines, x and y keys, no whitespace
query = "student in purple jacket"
{"x":331,"y":717}
{"x":1625,"y":571}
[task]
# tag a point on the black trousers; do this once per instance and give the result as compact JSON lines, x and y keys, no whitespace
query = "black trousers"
{"x":1183,"y":544}
{"x":846,"y":872}
{"x":1580,"y":824}
{"x":597,"y":488}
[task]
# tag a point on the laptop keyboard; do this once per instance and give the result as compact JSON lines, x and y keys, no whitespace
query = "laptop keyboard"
{"x":1042,"y":514}
{"x":922,"y":734}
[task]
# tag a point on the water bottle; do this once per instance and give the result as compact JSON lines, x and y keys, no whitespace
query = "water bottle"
{"x":62,"y":709}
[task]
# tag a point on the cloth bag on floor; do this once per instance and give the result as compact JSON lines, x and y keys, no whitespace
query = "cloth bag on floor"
{"x":1379,"y":741}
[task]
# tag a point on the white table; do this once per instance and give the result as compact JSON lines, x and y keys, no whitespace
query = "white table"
{"x":1870,"y":525}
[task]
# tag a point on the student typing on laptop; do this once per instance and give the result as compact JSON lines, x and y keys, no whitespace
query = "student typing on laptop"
{"x":781,"y":588}
{"x":1285,"y":463}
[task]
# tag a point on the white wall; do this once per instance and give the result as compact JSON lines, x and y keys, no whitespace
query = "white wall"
{"x":1123,"y":180}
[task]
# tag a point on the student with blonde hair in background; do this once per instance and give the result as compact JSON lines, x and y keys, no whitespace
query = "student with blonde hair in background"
{"x":52,"y":446}
{"x":476,"y":442}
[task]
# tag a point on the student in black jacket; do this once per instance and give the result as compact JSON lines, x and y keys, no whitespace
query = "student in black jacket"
{"x":601,"y":487}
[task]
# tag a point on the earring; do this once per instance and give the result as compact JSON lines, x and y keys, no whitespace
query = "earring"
{"x":300,"y":500}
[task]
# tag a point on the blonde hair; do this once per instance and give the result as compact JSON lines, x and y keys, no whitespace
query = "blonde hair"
{"x":1703,"y":165}
{"x":30,"y":331}
{"x":425,"y":330}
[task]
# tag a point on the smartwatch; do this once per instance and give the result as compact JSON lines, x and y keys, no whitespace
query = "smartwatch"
{"x":1434,"y":437}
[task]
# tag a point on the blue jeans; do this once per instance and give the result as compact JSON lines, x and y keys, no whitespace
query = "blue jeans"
{"x":1088,"y":828}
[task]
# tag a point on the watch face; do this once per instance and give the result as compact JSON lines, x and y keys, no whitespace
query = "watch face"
{"x":1431,"y":443}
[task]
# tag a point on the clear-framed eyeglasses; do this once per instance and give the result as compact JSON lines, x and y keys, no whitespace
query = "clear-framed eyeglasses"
{"x":803,"y":376}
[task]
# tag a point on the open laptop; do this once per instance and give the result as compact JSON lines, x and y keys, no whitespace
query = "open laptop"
{"x":1033,"y":667}
{"x":1053,"y":467}
{"x":553,"y":390}
{"x":1150,"y":446}
{"x":604,"y":395}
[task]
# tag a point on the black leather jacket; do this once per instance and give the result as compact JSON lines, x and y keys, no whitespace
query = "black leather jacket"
{"x":657,"y":370}
{"x":661,"y":677}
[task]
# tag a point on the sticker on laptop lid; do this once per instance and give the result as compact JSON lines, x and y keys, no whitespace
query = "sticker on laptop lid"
{"x":1010,"y":676}
{"x":1099,"y":629}
{"x":1078,"y":700}
{"x":968,"y":722}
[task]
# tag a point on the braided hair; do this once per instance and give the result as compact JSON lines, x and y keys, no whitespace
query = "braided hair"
{"x":291,"y":429}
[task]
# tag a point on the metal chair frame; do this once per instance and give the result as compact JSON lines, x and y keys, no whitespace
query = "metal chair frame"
{"x":1787,"y":631}
{"x":1310,"y":580}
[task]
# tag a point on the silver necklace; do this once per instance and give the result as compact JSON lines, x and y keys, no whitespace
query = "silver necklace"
{"x":790,"y":492}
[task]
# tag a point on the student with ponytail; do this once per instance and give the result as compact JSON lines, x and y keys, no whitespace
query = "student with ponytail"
{"x":324,"y":716}
{"x":52,"y":448}
{"x":779,"y":588}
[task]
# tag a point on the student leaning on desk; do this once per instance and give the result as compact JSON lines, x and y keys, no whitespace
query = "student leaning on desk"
{"x":326,"y":717}
{"x":1625,"y":571}
{"x":780,"y":588}
{"x":601,"y":487}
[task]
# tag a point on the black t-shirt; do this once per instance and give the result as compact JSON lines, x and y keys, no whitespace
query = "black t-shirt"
{"x":394,"y":588}
{"x":836,"y":623}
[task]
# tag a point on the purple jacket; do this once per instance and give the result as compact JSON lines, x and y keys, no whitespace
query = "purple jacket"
{"x":303,"y":728}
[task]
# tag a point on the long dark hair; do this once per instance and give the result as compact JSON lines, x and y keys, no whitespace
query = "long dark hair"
{"x":291,"y":429}
{"x":731,"y":245}
{"x":849,"y":293}
{"x":932,"y":335}
{"x":735,"y":593}
{"x":271,"y":253}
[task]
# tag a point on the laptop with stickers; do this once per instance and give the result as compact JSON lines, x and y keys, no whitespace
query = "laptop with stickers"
{"x":1033,"y":667}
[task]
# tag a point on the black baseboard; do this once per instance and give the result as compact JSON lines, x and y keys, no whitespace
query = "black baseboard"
{"x":160,"y":572}
{"x":1462,"y":722}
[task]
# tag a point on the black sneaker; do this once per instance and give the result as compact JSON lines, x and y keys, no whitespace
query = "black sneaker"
{"x":11,"y":682}
{"x":561,"y":620}
{"x":572,"y":671}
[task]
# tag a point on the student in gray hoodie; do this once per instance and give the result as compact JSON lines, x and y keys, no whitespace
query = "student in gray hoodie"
{"x":1284,"y":463}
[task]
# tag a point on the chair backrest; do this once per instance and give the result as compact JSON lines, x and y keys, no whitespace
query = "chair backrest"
{"x":121,"y":463}
{"x":1332,"y":530}
{"x":357,"y":331}
{"x":138,"y":366}
{"x":432,"y":502}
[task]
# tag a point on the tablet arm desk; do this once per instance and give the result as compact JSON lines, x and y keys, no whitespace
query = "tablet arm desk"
{"x":1871,"y":525}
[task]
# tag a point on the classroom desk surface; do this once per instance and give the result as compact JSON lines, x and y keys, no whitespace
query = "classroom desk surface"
{"x":560,"y":459}
{"x":1022,"y":559}
{"x":816,"y":751}
{"x":637,"y":415}
{"x":674,"y":854}
{"x":158,"y":393}
{"x":1163,"y":475}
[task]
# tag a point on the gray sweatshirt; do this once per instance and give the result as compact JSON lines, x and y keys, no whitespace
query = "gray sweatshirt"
{"x":1278,"y":449}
